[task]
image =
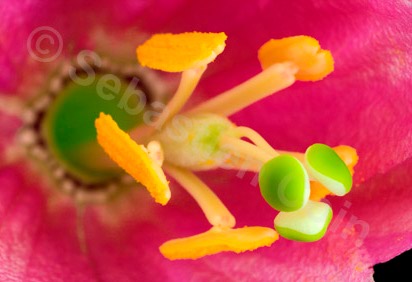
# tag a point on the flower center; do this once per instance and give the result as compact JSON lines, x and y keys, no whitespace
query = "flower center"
{"x":203,"y":138}
{"x":176,"y":144}
{"x":59,"y":125}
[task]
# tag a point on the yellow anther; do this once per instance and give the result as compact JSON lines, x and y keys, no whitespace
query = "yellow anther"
{"x":318,"y":191}
{"x":314,"y":63}
{"x":133,"y":158}
{"x":180,"y":52}
{"x":349,"y":157}
{"x":218,"y":240}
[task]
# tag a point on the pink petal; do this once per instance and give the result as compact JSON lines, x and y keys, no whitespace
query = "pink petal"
{"x":71,"y":25}
{"x":365,"y":103}
{"x":126,"y":250}
{"x":9,"y":126}
{"x":384,"y":204}
{"x":35,"y":243}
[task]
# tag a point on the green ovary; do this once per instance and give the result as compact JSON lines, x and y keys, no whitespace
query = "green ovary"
{"x":68,"y":128}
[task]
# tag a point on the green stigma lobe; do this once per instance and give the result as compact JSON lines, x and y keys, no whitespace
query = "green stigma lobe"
{"x":284,"y":183}
{"x":327,"y":167}
{"x":308,"y":224}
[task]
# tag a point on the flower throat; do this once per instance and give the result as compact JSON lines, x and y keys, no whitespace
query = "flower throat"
{"x":58,"y":131}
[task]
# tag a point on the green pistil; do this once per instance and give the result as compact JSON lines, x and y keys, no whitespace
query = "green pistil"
{"x":328,"y":168}
{"x":307,"y":224}
{"x":69,"y":130}
{"x":284,"y":183}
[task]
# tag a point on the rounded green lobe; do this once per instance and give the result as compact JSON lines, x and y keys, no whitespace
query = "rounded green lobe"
{"x":308,"y":224}
{"x":328,"y":168}
{"x":68,"y":128}
{"x":284,"y":183}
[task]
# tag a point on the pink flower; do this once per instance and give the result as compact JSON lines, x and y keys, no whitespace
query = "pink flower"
{"x":365,"y":103}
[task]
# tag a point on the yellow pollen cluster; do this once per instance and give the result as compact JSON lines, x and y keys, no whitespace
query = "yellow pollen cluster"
{"x":133,"y":158}
{"x":180,"y":52}
{"x":313,"y":62}
{"x":218,"y":240}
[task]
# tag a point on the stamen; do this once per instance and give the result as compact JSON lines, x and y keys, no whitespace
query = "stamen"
{"x":134,"y":159}
{"x":304,"y":51}
{"x":269,"y":81}
{"x":307,"y":224}
{"x":190,"y":79}
{"x":348,"y":155}
{"x":215,"y":211}
{"x":180,"y":52}
{"x":186,"y":52}
{"x":218,"y":240}
{"x":318,"y":191}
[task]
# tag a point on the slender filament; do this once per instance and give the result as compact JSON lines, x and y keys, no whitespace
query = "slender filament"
{"x":269,"y":81}
{"x":190,"y":79}
{"x":215,"y":211}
